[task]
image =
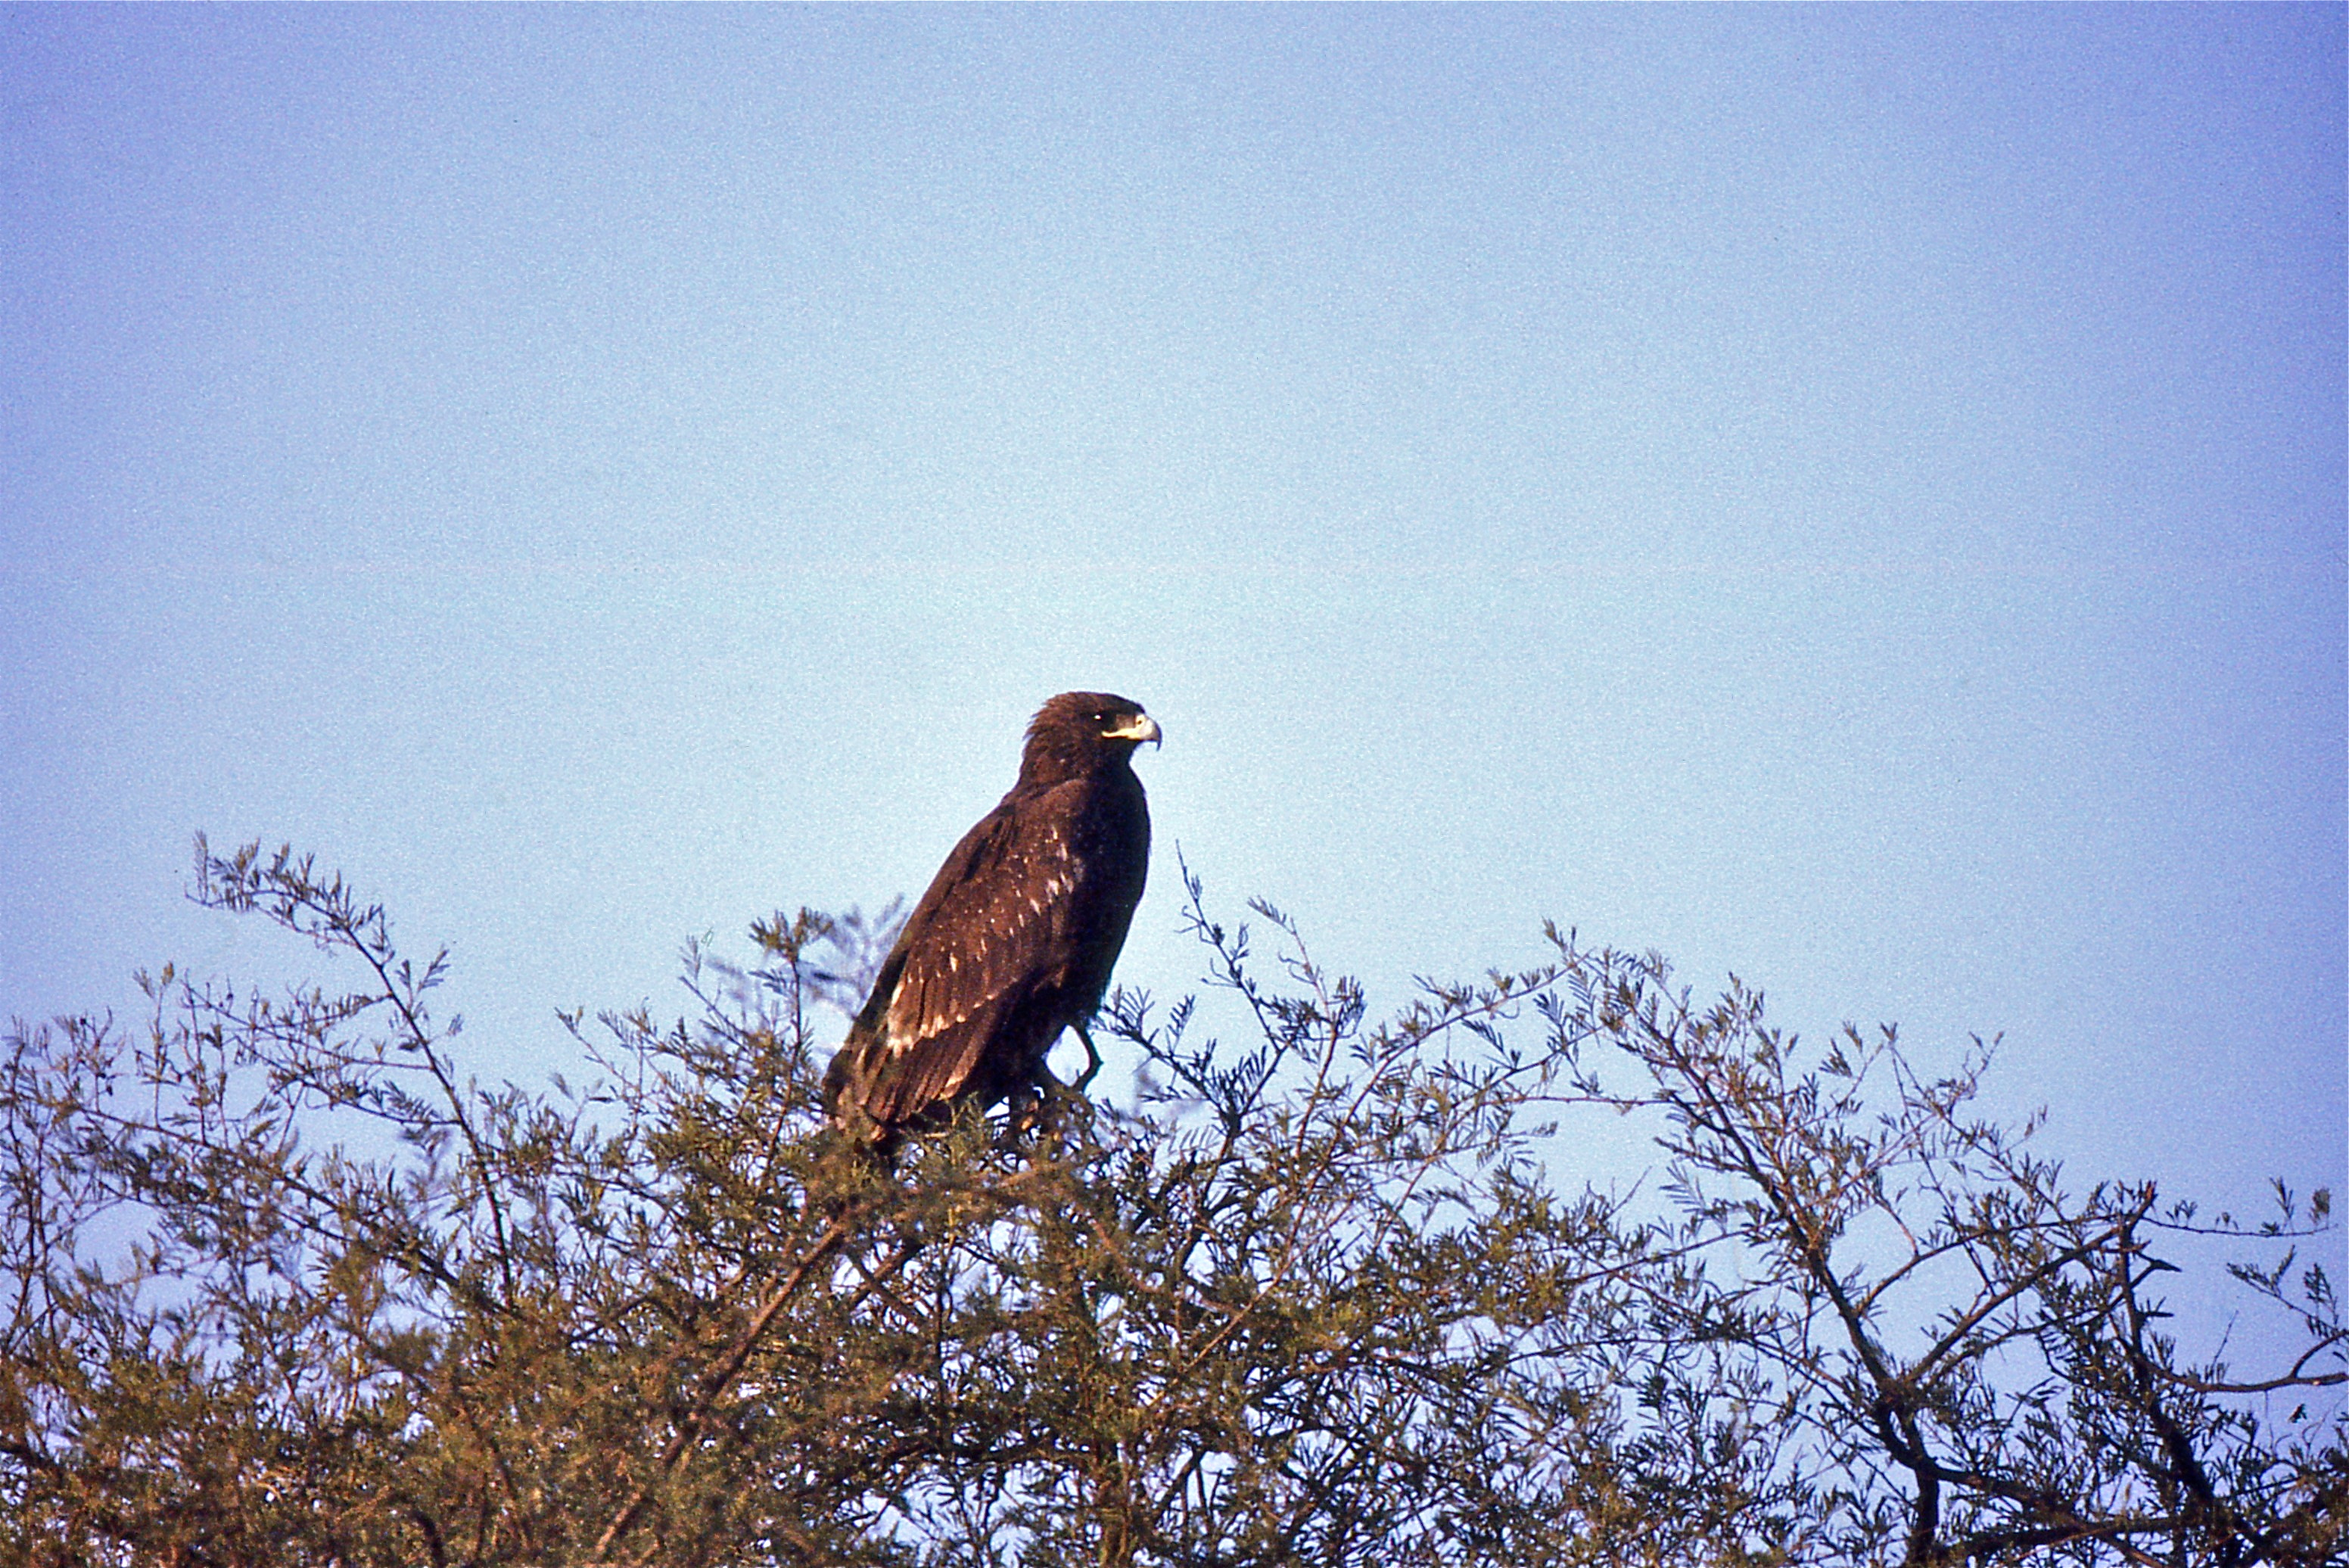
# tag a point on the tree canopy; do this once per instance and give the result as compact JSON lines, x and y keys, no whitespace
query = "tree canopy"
{"x":285,"y":1283}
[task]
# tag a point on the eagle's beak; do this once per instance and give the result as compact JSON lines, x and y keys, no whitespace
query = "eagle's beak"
{"x":1143,"y":728}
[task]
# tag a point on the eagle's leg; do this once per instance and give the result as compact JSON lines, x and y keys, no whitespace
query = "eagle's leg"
{"x":1092,"y":1060}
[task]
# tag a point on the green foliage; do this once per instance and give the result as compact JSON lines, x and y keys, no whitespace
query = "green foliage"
{"x":286,"y":1286}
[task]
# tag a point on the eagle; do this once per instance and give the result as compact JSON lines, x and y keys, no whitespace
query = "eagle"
{"x":1016,"y":937}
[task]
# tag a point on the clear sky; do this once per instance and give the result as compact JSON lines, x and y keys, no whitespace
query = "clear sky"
{"x":1851,"y":497}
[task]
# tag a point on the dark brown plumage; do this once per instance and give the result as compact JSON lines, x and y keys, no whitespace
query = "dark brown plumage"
{"x":1015,"y":939}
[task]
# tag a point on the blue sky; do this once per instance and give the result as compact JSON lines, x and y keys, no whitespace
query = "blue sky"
{"x":1851,"y":497}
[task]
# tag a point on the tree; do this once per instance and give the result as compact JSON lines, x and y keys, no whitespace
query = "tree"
{"x":286,"y":1286}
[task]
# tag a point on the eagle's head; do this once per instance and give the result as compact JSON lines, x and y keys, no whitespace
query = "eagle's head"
{"x":1080,"y":731}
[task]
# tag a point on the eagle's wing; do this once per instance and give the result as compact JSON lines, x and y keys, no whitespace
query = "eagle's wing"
{"x":993,"y":928}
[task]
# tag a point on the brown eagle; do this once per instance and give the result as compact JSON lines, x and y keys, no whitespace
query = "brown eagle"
{"x":1015,"y":939}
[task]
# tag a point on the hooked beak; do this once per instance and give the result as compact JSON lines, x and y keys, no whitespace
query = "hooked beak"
{"x":1141,"y":727}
